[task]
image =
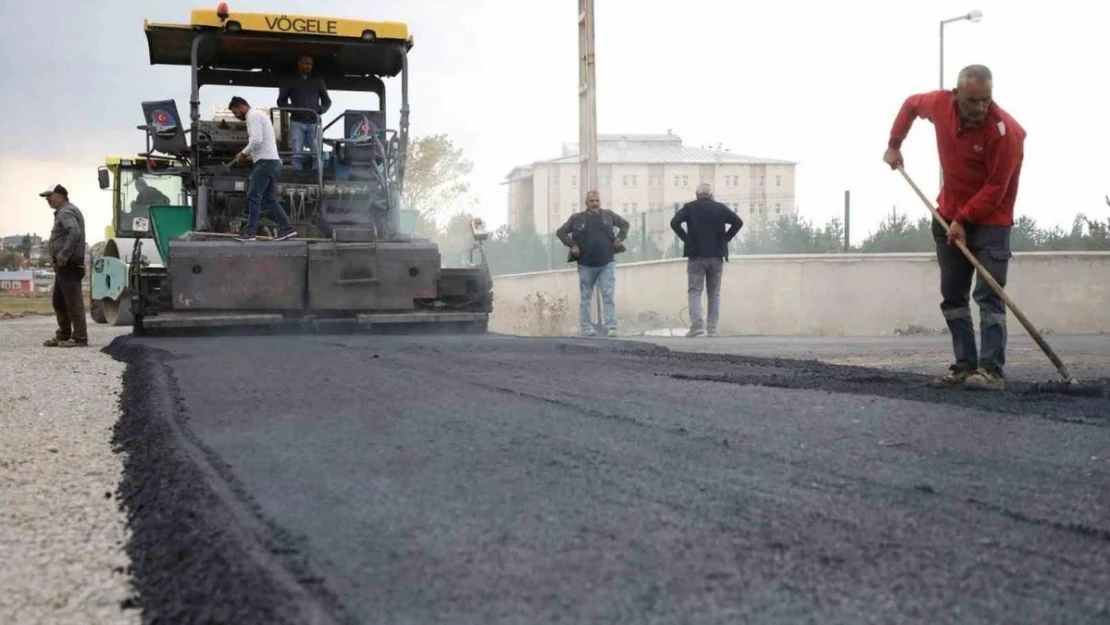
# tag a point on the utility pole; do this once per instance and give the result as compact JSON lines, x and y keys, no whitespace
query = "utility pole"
{"x":847,"y":221}
{"x":587,"y":98}
{"x":587,"y":110}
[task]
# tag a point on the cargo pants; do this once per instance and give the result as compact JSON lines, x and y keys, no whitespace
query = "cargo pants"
{"x":69,"y":303}
{"x":991,"y":246}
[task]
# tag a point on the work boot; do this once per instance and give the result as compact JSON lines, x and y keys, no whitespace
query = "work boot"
{"x":984,"y":380}
{"x":73,"y":343}
{"x":695,"y":333}
{"x":956,"y":377}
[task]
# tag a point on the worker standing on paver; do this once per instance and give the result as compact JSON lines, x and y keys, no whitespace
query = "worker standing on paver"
{"x":304,"y":91}
{"x":67,"y":255}
{"x":710,"y":227}
{"x":981,"y":150}
{"x":262,"y":149}
{"x":593,"y":244}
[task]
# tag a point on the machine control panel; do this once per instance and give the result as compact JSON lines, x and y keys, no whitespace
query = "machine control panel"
{"x":223,"y":132}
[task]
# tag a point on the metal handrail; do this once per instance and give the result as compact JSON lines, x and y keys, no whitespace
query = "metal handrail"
{"x":319,"y":147}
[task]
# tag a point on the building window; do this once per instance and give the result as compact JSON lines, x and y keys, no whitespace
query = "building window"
{"x":676,"y":179}
{"x":624,"y":208}
{"x":574,"y":207}
{"x":736,"y":181}
{"x":4,"y":285}
{"x":635,"y":207}
{"x":778,"y":209}
{"x":555,"y":179}
{"x":573,"y":180}
{"x":778,"y":181}
{"x":605,"y":181}
{"x":685,"y":181}
{"x":635,"y":180}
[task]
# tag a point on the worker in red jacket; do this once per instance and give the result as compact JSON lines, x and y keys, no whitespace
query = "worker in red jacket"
{"x":981,"y":150}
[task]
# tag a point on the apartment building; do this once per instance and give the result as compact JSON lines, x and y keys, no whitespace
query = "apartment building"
{"x":646,"y":178}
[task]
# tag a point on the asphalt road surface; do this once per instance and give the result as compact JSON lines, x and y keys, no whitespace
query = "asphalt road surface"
{"x":488,"y":480}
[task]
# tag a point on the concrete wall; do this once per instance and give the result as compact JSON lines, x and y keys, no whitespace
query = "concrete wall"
{"x":815,"y":295}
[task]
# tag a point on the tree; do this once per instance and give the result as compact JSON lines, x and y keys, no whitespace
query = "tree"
{"x":455,"y":240}
{"x":790,"y":234}
{"x":436,"y":180}
{"x":897,"y":234}
{"x":519,"y":251}
{"x":10,"y":260}
{"x":1026,"y":237}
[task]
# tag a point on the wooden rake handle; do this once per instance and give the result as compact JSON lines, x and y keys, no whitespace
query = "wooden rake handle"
{"x":995,"y":286}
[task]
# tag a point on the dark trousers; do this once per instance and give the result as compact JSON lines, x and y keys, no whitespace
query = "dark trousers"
{"x":69,"y":304}
{"x":263,"y":190}
{"x":991,"y":246}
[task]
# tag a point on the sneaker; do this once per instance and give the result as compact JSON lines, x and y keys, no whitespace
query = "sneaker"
{"x":245,"y":238}
{"x":695,"y":333}
{"x":713,"y":334}
{"x":611,"y":331}
{"x":983,"y":380}
{"x":955,"y":377}
{"x":288,"y":234}
{"x":588,"y":333}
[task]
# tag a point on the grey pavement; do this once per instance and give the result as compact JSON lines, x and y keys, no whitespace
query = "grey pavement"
{"x":1086,"y":355}
{"x":350,"y":479}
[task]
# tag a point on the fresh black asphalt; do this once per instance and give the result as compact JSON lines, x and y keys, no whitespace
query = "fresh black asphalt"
{"x":488,"y":480}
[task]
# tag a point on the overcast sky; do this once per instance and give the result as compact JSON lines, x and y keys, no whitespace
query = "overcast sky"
{"x":814,"y":82}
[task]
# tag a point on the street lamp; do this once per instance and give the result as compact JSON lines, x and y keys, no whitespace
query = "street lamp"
{"x":974,"y":16}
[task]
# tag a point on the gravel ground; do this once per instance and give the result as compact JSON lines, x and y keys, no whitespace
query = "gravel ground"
{"x":61,"y":529}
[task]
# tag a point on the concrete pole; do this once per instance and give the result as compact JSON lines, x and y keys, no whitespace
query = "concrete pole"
{"x":587,"y":98}
{"x":587,"y":110}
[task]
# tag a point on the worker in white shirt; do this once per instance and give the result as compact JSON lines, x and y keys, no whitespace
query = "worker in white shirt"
{"x":262,"y":149}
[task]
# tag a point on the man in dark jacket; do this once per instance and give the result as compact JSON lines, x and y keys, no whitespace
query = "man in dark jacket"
{"x":592,"y":243}
{"x":67,"y":254}
{"x":306,"y":92}
{"x":705,"y":246}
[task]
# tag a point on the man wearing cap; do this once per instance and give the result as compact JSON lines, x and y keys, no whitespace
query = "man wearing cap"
{"x":67,"y":254}
{"x":705,"y":246}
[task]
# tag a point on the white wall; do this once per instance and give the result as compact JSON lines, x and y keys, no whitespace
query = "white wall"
{"x":821,"y":295}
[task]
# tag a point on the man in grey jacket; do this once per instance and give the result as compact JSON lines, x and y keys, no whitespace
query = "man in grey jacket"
{"x":67,"y":254}
{"x":705,"y":246}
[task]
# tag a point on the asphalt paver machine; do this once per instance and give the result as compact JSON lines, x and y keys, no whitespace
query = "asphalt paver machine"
{"x":181,"y":266}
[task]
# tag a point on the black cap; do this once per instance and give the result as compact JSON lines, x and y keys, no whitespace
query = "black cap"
{"x":55,"y":189}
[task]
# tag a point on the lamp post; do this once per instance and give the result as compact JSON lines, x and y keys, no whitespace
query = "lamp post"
{"x":973,"y":16}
